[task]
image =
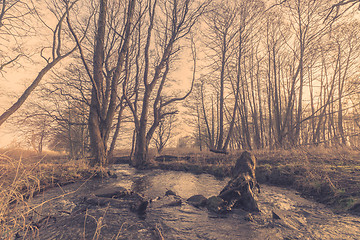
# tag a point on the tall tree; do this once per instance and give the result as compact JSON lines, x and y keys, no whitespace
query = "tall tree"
{"x":164,"y":36}
{"x":108,"y":58}
{"x":221,"y":22}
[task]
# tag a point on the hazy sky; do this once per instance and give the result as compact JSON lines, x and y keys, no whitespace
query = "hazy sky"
{"x":14,"y":81}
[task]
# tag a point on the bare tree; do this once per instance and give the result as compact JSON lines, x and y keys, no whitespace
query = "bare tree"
{"x":108,"y":56}
{"x":58,"y":111}
{"x":177,"y":20}
{"x":164,"y":132}
{"x":231,"y":30}
{"x":222,"y":24}
{"x":58,"y":53}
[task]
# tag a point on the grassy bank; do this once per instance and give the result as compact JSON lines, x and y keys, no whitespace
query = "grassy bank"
{"x":327,"y":175}
{"x":24,"y":174}
{"x":330,"y":176}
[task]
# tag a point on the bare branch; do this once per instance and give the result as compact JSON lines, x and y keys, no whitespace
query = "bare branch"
{"x":193,"y":50}
{"x":35,"y":83}
{"x":10,"y":61}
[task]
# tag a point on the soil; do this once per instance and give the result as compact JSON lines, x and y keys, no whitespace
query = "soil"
{"x":75,"y":212}
{"x":331,"y":178}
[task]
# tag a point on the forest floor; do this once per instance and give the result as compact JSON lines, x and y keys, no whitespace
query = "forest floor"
{"x":330,"y":176}
{"x":327,"y":175}
{"x":24,"y":174}
{"x":27,"y":173}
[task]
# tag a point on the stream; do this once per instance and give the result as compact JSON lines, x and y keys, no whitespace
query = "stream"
{"x":299,"y":218}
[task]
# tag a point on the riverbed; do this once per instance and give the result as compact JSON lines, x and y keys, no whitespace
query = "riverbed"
{"x":63,"y":213}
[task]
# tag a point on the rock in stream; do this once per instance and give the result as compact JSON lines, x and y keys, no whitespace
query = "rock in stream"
{"x":65,"y":213}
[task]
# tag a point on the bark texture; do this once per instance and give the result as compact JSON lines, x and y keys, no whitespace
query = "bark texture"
{"x":241,"y":190}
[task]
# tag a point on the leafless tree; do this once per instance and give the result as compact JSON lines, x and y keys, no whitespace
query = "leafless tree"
{"x":168,"y":23}
{"x":58,"y":52}
{"x":108,"y":57}
{"x":164,"y":132}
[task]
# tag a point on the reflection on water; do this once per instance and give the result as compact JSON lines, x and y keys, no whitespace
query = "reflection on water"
{"x":300,"y":218}
{"x":184,"y":184}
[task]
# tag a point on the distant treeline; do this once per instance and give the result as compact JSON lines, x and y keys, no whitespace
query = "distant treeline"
{"x":260,"y":75}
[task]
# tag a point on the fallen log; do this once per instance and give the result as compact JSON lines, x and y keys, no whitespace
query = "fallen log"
{"x":218,"y":151}
{"x":170,"y":158}
{"x":241,"y":190}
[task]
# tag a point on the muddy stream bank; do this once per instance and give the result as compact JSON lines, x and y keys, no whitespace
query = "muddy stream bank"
{"x":73,"y":216}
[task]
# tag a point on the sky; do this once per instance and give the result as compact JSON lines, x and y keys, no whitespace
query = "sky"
{"x":15,"y":80}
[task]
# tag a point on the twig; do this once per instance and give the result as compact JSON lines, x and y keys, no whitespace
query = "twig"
{"x":118,"y":234}
{"x":158,"y":233}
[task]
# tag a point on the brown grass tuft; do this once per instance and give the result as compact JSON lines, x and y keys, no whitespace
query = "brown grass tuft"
{"x":23,"y":175}
{"x":329,"y":175}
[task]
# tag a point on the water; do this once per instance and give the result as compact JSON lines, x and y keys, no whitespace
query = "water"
{"x":300,"y":218}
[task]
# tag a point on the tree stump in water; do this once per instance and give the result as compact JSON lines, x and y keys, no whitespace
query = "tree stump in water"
{"x":240,"y":190}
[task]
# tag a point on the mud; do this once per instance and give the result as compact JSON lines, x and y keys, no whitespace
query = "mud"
{"x":284,"y":214}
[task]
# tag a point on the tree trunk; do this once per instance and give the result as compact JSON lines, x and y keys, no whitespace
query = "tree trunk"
{"x":241,"y":190}
{"x":211,"y":135}
{"x":117,"y":130}
{"x":95,"y":124}
{"x":199,"y":127}
{"x":221,"y":100}
{"x":140,"y":153}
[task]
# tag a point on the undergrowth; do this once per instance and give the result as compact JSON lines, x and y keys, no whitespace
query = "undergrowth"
{"x":22,"y":176}
{"x":328,"y":175}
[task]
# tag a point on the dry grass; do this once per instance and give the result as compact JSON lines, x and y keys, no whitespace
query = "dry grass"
{"x":329,"y":175}
{"x":24,"y":174}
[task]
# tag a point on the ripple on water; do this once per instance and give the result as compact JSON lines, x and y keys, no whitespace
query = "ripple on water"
{"x":301,"y":218}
